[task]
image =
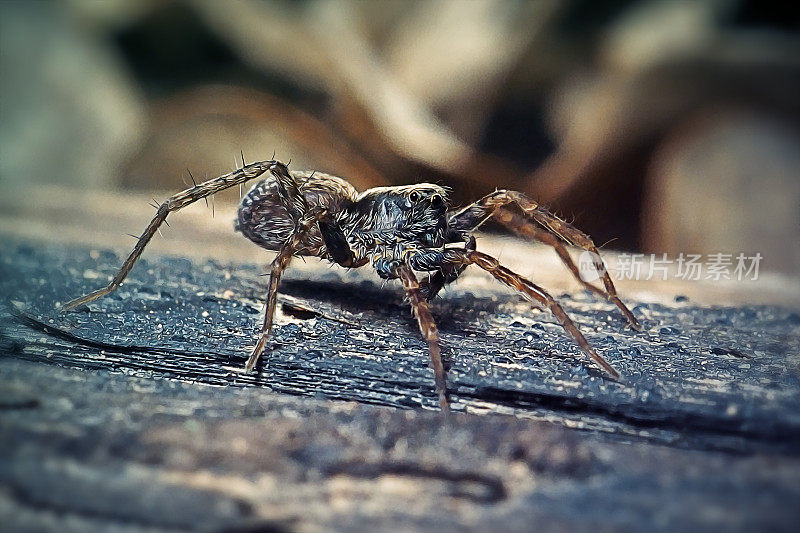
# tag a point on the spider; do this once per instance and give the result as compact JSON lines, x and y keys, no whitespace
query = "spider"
{"x":399,"y":230}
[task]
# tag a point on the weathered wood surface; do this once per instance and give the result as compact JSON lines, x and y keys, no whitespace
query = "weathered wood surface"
{"x":133,"y":411}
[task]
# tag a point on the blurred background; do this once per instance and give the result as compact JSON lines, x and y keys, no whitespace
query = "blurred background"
{"x":658,"y":126}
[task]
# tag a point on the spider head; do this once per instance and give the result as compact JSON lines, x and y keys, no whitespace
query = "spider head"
{"x":424,"y":212}
{"x":423,"y":198}
{"x":417,"y":211}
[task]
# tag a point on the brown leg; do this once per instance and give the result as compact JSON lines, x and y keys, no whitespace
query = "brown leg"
{"x":576,"y":237}
{"x":174,"y":203}
{"x":523,"y":227}
{"x":494,"y":204}
{"x":428,"y":329}
{"x":279,"y":264}
{"x":536,"y":293}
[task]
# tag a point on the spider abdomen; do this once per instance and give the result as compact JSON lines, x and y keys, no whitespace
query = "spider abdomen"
{"x":263,"y":219}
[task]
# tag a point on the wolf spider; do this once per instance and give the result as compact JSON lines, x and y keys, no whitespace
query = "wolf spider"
{"x":398,"y":229}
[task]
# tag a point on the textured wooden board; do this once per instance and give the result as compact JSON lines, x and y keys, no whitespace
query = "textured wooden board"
{"x":102,"y":450}
{"x":139,"y":398}
{"x":715,"y":377}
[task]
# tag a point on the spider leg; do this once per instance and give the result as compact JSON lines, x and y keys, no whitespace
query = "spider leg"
{"x":174,"y":203}
{"x":427,"y":259}
{"x":337,"y":247}
{"x":573,"y":235}
{"x":523,"y":227}
{"x":552,"y":232}
{"x":536,"y":293}
{"x":279,"y":264}
{"x":446,"y":274}
{"x":427,"y":327}
{"x":430,"y":287}
{"x":289,"y":192}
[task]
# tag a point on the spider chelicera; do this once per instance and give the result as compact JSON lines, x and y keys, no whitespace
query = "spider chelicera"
{"x":399,"y":230}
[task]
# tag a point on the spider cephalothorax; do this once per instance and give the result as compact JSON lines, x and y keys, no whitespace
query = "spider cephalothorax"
{"x":413,"y":214}
{"x":398,"y":230}
{"x":375,"y":222}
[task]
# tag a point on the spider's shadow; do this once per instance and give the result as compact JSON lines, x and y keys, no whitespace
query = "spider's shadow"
{"x":387,"y":301}
{"x":359,"y":295}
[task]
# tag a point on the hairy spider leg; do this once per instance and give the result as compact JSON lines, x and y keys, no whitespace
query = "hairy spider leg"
{"x":446,"y":274}
{"x":174,"y":203}
{"x":289,"y":193}
{"x":428,"y":259}
{"x":534,"y":292}
{"x":523,"y":227}
{"x":553,"y":231}
{"x":279,"y":264}
{"x":427,"y":327}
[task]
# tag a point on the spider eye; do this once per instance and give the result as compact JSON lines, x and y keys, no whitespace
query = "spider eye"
{"x":436,"y":200}
{"x":414,"y":196}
